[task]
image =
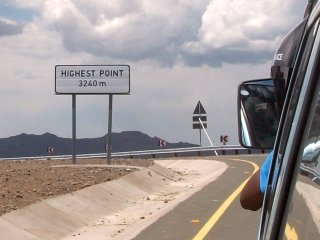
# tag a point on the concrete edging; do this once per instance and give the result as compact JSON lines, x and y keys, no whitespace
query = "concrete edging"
{"x":92,"y":212}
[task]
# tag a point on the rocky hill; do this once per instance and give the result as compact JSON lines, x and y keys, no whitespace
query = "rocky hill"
{"x":28,"y":145}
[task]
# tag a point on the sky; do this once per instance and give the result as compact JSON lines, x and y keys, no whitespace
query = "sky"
{"x":179,"y":52}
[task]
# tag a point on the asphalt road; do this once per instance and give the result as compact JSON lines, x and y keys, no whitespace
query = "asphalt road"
{"x":213,"y":212}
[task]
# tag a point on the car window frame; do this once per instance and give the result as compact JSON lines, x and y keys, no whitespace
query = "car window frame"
{"x":291,"y":128}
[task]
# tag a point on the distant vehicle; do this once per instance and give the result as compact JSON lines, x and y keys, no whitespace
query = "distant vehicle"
{"x":283,"y":113}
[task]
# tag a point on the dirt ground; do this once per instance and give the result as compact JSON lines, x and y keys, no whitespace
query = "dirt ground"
{"x":25,"y":182}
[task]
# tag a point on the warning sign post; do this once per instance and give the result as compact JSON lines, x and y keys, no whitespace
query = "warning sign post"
{"x":199,"y":119}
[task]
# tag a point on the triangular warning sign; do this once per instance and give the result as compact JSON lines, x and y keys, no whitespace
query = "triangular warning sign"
{"x":199,"y":109}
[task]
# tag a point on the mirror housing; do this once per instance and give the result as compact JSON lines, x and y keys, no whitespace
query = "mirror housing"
{"x":259,"y":109}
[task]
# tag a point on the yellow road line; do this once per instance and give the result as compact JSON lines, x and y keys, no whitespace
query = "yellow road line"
{"x":291,"y":233}
{"x":216,"y":216}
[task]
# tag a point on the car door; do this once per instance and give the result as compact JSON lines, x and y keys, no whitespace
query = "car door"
{"x":292,"y":201}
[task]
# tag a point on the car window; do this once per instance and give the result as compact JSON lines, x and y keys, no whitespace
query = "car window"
{"x":282,"y":198}
{"x":303,"y":206}
{"x":303,"y":220}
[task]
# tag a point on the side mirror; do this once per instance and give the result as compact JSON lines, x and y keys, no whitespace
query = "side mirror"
{"x":258,"y":113}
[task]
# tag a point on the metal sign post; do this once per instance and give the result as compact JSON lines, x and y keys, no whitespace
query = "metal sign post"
{"x":74,"y":129}
{"x":204,"y":129}
{"x":109,"y":130}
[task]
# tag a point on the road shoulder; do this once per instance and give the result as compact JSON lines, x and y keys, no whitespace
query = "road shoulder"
{"x":119,"y":209}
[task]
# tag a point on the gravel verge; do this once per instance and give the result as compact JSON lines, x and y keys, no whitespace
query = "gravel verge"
{"x":24,"y":182}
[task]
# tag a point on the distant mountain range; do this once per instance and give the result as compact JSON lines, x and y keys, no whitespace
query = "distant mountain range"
{"x":29,"y":145}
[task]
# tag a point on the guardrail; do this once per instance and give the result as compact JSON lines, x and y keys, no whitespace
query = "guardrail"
{"x":162,"y":153}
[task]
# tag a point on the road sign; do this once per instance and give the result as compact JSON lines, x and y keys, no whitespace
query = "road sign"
{"x":198,"y":125}
{"x":202,"y":118}
{"x":199,"y":112}
{"x":50,"y":150}
{"x":92,"y":79}
{"x":162,"y":143}
{"x":199,"y":119}
{"x":224,"y":139}
{"x":199,"y":109}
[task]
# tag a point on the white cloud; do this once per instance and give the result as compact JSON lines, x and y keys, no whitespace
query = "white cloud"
{"x":132,"y":30}
{"x":171,"y":31}
{"x":244,"y":26}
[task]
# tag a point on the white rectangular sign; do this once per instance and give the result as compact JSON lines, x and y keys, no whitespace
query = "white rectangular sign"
{"x":92,"y":79}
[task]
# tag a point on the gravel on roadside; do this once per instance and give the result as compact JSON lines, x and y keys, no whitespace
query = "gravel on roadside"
{"x":23,"y":182}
